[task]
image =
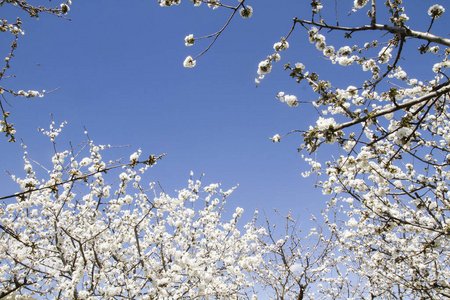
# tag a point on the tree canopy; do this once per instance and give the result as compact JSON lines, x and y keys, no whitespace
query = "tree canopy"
{"x":379,"y":148}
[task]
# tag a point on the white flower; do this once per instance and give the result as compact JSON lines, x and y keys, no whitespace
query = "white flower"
{"x":168,"y":2}
{"x":352,"y":90}
{"x":352,"y":223}
{"x":85,"y":161}
{"x":360,"y":3}
{"x":368,"y":65}
{"x":246,"y":12}
{"x":134,"y":157}
{"x":291,"y":100}
{"x":328,"y":51}
{"x":28,"y":168}
{"x":344,"y":61}
{"x":438,"y":66}
{"x":124,"y":177}
{"x":189,"y":40}
{"x":264,"y":67}
{"x":403,"y":132}
{"x":299,"y":66}
{"x":436,"y":11}
{"x":324,"y":124}
{"x":404,"y":17}
{"x":400,"y":74}
{"x":385,"y":54}
{"x":280,"y":96}
{"x":346,"y":50}
{"x":276,"y":57}
{"x":64,"y":8}
{"x":283,"y":45}
{"x":276,"y":138}
{"x":348,"y":146}
{"x":433,"y":49}
{"x":189,"y":62}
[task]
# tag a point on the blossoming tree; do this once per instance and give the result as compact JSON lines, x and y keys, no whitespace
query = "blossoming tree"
{"x":389,"y":179}
{"x":77,"y":235}
{"x":90,"y":229}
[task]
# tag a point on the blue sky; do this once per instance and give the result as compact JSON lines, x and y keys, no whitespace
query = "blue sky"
{"x":119,"y":71}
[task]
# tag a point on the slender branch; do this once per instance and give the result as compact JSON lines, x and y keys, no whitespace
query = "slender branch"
{"x":80,"y":178}
{"x":17,"y":286}
{"x":406,"y":32}
{"x":218,"y":33}
{"x":406,"y":104}
{"x":390,"y":68}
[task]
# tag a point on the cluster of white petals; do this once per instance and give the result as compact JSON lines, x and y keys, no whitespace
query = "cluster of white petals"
{"x":68,"y":236}
{"x":189,"y":40}
{"x":90,"y":229}
{"x":360,"y":3}
{"x":246,"y":12}
{"x":189,"y":62}
{"x":436,"y":11}
{"x":168,"y":2}
{"x":390,"y":184}
{"x":291,"y":100}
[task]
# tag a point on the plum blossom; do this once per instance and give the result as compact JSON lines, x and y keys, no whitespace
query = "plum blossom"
{"x":119,"y":246}
{"x":64,"y":8}
{"x":264,"y":67}
{"x":246,"y":12}
{"x":283,"y":45}
{"x":325,"y":123}
{"x":345,"y":51}
{"x":276,"y":138}
{"x":299,"y":66}
{"x":189,"y":62}
{"x":352,"y":222}
{"x":189,"y":40}
{"x":329,"y":51}
{"x":360,"y":3}
{"x":385,"y":54}
{"x":436,"y":11}
{"x":291,"y":100}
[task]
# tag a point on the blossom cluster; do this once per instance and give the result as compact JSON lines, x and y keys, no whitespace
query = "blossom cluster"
{"x":246,"y":12}
{"x":389,"y":180}
{"x":265,"y":66}
{"x":78,"y":235}
{"x":291,"y":100}
{"x":436,"y":11}
{"x":12,"y":28}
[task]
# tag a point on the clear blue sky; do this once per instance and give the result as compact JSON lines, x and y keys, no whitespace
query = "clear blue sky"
{"x":119,"y":69}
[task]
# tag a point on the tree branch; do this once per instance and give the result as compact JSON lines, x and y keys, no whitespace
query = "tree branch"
{"x":443,"y":90}
{"x":406,"y":32}
{"x":150,"y":161}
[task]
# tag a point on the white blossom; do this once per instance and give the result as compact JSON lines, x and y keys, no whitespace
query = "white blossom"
{"x":436,"y":11}
{"x":189,"y":62}
{"x":246,"y":12}
{"x":189,"y":40}
{"x":360,"y":3}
